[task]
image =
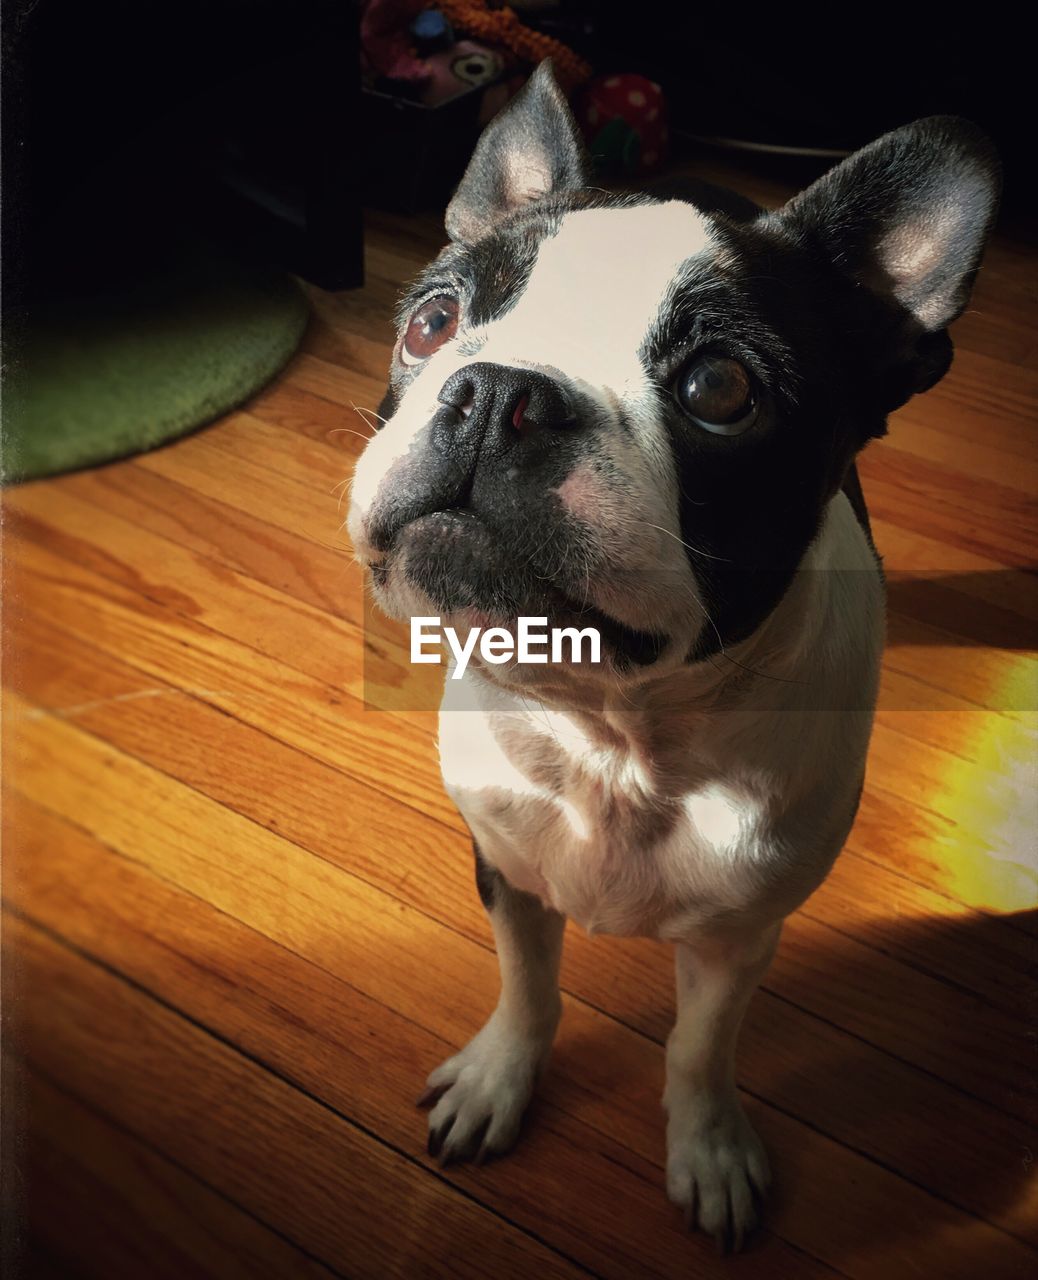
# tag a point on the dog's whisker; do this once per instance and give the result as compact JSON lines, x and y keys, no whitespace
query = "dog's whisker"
{"x":698,"y":551}
{"x":362,"y":410}
{"x":344,"y":487}
{"x":348,"y":431}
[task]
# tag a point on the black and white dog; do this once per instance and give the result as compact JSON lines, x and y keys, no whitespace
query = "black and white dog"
{"x":642,"y":412}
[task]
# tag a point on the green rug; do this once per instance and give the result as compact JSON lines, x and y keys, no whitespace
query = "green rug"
{"x":122,"y":372}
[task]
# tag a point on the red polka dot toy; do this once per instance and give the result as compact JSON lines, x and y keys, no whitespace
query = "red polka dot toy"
{"x":623,"y":118}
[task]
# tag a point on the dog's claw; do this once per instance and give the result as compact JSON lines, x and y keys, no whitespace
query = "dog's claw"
{"x":475,"y":1145}
{"x":482,"y":1155}
{"x":437,"y":1137}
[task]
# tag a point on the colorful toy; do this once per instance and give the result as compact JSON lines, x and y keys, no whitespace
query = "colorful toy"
{"x":462,"y":67}
{"x":501,"y":27}
{"x":623,"y":119}
{"x":431,"y":33}
{"x":386,"y":41}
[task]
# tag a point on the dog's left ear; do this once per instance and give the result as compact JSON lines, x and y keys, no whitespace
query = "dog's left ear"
{"x":907,"y":217}
{"x":908,"y":214}
{"x":530,"y":149}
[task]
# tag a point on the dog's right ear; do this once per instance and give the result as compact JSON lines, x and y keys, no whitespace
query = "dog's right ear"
{"x":530,"y":149}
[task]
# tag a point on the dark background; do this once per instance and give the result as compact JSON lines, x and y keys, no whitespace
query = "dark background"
{"x":128,"y":122}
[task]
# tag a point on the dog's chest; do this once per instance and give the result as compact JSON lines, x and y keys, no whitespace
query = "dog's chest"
{"x":591,"y":833}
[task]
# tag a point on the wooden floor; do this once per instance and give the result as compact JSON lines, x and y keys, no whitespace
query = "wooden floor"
{"x":240,"y":924}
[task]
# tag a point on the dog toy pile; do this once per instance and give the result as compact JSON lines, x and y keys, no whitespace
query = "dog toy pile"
{"x":624,"y":122}
{"x":504,"y":28}
{"x":435,"y":54}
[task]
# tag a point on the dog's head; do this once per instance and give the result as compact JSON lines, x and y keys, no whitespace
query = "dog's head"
{"x":633,"y":410}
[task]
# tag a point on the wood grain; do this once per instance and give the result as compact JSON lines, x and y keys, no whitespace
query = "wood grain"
{"x":240,"y":925}
{"x":123,"y":1199}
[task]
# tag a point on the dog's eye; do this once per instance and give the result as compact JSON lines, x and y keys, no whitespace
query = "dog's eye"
{"x":718,"y":394}
{"x":434,"y":323}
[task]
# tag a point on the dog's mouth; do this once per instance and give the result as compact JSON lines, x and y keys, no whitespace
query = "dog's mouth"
{"x":454,"y":560}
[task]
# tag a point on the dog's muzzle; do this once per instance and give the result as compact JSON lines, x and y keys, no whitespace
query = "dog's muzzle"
{"x":492,"y":417}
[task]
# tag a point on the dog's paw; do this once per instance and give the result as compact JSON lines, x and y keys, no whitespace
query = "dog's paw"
{"x":478,"y":1097}
{"x":717,"y":1170}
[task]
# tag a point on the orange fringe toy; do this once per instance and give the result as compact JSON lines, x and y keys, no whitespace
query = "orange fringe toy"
{"x":502,"y":27}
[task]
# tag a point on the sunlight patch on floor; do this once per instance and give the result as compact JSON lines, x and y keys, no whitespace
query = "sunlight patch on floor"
{"x":998,"y":796}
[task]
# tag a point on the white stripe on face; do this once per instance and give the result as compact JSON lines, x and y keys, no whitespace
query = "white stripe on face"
{"x":595,"y":290}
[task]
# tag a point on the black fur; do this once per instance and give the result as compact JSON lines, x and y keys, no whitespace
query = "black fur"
{"x":488,"y":879}
{"x":531,"y":148}
{"x":856,"y":497}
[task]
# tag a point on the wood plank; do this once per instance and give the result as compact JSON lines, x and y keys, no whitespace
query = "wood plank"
{"x":923,"y":440}
{"x":947,"y":856}
{"x":317,"y":573}
{"x":366,"y":1212}
{"x":1002,"y":883}
{"x":989,"y":805}
{"x":359,"y":917}
{"x":104,"y":1202}
{"x":929,"y":849}
{"x":915,"y":495}
{"x":294,"y":408}
{"x":187,"y":584}
{"x":382,"y":750}
{"x":307,"y":806}
{"x":69,"y":676}
{"x":986,"y":396}
{"x":316,"y":1028}
{"x":971,"y":949}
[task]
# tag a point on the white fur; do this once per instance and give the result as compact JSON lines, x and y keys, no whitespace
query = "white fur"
{"x":590,"y":299}
{"x":735,"y":800}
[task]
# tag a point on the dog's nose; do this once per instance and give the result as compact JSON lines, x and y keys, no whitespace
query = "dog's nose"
{"x":498,"y":395}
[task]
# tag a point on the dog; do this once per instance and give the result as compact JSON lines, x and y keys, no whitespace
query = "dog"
{"x":641,"y":411}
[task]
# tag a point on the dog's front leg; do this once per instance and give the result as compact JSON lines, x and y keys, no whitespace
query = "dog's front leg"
{"x":481,"y":1093}
{"x":716,"y":1165}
